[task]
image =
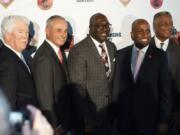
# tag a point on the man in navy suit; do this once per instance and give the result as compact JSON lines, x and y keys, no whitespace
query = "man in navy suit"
{"x":15,"y":70}
{"x":141,"y":98}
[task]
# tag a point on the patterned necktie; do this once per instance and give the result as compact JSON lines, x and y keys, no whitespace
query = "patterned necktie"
{"x":139,"y":59}
{"x":162,"y":44}
{"x":60,"y":56}
{"x":104,"y":59}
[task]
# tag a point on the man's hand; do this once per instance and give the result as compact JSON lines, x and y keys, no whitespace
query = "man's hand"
{"x":40,"y":125}
{"x":163,"y":128}
{"x":59,"y":131}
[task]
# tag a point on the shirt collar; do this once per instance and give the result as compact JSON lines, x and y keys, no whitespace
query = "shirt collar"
{"x":96,"y":42}
{"x":158,"y":43}
{"x":16,"y":52}
{"x":55,"y":48}
{"x":144,"y":49}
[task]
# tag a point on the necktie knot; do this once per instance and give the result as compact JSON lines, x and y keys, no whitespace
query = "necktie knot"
{"x":162,"y":44}
{"x":102,"y":47}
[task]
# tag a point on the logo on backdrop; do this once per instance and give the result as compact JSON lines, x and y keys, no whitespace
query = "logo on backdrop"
{"x":84,"y":0}
{"x":45,"y":4}
{"x":156,"y":3}
{"x":114,"y":35}
{"x":5,"y":3}
{"x":125,"y":2}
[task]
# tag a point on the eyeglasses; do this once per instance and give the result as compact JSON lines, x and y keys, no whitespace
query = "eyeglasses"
{"x":102,"y":26}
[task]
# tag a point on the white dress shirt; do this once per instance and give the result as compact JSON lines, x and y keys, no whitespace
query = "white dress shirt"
{"x":99,"y":49}
{"x":158,"y":43}
{"x":134,"y":54}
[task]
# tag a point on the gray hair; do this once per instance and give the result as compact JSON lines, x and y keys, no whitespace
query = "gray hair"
{"x":52,"y":18}
{"x":4,"y":115}
{"x":8,"y":23}
{"x":159,"y":14}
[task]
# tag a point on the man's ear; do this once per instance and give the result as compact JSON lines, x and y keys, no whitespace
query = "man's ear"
{"x":7,"y":37}
{"x":132,"y":36}
{"x":47,"y":31}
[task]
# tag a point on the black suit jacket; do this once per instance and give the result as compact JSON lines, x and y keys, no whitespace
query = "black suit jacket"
{"x":147,"y":102}
{"x":15,"y":80}
{"x":173,"y":55}
{"x":50,"y":77}
{"x":1,"y":43}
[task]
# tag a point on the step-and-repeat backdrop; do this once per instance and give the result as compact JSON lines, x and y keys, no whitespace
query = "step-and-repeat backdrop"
{"x":120,"y":13}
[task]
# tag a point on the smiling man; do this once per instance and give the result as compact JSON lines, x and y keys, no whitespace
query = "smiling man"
{"x":15,"y":75}
{"x":91,"y":66}
{"x":141,"y":91}
{"x":163,"y":26}
{"x":50,"y":72}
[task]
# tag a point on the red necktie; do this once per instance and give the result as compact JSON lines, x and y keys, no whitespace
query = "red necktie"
{"x":60,"y":56}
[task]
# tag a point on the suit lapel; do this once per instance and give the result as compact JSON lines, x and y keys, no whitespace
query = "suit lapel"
{"x":55,"y":57}
{"x":95,"y":54}
{"x":146,"y":62}
{"x":128,"y":63}
{"x":111,"y":57}
{"x":93,"y":48}
{"x":52,"y":53}
{"x":16,"y":59}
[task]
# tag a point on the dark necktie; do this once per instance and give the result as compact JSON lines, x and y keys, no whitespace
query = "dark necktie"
{"x":104,"y":58}
{"x":162,"y":44}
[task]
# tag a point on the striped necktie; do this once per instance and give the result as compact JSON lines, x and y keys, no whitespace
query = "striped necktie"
{"x":104,"y":58}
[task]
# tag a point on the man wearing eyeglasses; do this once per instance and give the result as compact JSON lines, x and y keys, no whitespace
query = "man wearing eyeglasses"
{"x":91,"y":67}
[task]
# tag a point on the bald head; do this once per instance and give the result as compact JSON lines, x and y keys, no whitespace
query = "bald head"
{"x":99,"y":27}
{"x":140,"y":33}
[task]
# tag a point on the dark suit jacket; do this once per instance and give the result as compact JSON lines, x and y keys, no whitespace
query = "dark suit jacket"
{"x":15,"y":80}
{"x":50,"y":77}
{"x":173,"y":55}
{"x":87,"y":70}
{"x":1,"y":43}
{"x":147,"y":102}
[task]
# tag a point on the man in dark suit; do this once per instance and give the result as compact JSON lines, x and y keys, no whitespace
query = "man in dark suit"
{"x":15,"y":75}
{"x":49,"y":70}
{"x":93,"y":73}
{"x":141,"y":96}
{"x":163,"y":25}
{"x":1,"y":43}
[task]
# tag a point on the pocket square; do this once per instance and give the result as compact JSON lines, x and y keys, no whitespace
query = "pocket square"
{"x":114,"y":59}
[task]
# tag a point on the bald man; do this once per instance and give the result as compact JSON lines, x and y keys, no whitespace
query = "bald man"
{"x":141,"y":94}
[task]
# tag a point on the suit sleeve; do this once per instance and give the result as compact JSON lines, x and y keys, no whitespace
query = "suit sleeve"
{"x":43,"y":76}
{"x":8,"y":82}
{"x":165,"y":92}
